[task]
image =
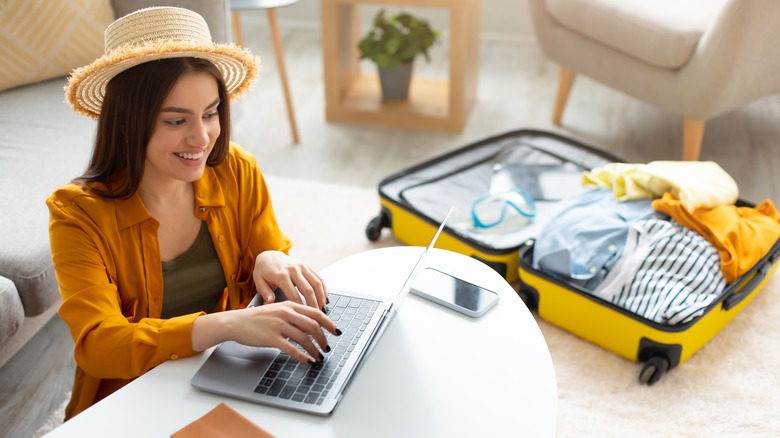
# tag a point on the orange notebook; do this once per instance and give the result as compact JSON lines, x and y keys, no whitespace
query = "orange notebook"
{"x":222,"y":421}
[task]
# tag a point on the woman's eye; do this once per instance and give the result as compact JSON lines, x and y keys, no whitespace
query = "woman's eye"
{"x":213,"y":115}
{"x":176,"y":122}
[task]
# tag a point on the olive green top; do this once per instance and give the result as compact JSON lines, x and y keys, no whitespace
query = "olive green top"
{"x":193,"y":281}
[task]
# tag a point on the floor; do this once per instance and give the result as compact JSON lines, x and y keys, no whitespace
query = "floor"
{"x":35,"y":380}
{"x":515,"y":90}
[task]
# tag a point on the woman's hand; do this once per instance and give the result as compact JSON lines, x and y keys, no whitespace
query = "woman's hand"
{"x":272,"y":325}
{"x":275,"y":269}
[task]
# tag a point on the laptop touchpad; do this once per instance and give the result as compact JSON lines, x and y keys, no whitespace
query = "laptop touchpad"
{"x":256,"y":354}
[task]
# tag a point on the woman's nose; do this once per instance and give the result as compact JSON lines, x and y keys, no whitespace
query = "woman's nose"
{"x":199,"y":134}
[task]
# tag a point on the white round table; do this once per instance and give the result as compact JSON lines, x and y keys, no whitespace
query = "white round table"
{"x":434,"y":373}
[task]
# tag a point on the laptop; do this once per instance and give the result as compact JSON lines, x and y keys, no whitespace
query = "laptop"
{"x":271,"y":377}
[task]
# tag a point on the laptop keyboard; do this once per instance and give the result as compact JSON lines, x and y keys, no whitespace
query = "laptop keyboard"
{"x":289,"y":379}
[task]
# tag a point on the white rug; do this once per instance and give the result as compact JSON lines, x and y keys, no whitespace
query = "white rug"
{"x":325,"y":222}
{"x":55,"y":419}
{"x":731,"y":387}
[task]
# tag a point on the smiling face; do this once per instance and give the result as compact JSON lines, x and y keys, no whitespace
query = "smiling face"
{"x":184,"y":132}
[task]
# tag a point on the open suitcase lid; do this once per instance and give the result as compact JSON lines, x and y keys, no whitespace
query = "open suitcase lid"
{"x":544,"y":165}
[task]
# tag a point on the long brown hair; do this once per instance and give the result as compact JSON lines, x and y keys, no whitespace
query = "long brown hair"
{"x":127,"y":119}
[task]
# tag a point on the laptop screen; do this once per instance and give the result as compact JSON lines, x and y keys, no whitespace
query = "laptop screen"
{"x":420,"y":262}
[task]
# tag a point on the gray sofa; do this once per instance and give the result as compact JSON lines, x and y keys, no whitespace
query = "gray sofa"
{"x":43,"y":145}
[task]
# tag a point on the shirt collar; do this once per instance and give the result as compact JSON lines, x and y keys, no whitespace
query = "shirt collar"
{"x":210,"y":191}
{"x":130,"y":211}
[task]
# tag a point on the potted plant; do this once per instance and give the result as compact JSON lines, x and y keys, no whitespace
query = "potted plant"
{"x":392,"y":43}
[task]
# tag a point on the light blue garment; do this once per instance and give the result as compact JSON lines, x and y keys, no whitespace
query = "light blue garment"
{"x":587,"y":235}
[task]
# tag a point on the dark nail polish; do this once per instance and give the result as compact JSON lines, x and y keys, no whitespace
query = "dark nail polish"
{"x":321,"y":357}
{"x":323,"y":309}
{"x":327,"y":348}
{"x":312,"y":362}
{"x":327,"y":300}
{"x":339,"y":332}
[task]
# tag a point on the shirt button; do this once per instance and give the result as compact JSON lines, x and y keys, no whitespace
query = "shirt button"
{"x":202,"y":209}
{"x":221,"y":238}
{"x":593,"y":270}
{"x":174,"y":356}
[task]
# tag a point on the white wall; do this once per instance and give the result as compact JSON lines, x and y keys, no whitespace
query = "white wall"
{"x":503,"y":19}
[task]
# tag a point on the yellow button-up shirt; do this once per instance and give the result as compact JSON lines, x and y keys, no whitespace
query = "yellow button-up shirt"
{"x":107,"y":261}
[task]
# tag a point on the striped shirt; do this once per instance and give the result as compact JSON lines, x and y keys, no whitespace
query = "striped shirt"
{"x":667,"y":273}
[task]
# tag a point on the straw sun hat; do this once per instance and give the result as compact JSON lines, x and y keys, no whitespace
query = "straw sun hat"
{"x":157,"y":33}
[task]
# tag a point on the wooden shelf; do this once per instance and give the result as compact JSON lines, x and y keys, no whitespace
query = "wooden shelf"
{"x":354,"y":97}
{"x":426,"y":108}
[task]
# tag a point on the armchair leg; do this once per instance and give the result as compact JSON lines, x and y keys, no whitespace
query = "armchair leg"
{"x":565,"y":80}
{"x":693,"y":132}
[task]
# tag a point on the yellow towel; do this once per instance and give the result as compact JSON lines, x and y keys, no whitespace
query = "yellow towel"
{"x":695,"y":184}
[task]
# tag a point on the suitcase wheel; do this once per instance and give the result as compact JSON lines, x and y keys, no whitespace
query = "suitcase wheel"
{"x":375,"y":225}
{"x":653,"y":370}
{"x":529,"y":296}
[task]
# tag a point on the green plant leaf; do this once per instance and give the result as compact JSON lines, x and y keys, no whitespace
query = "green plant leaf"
{"x":395,"y":39}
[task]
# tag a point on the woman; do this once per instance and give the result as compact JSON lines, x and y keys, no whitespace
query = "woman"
{"x":163,"y":241}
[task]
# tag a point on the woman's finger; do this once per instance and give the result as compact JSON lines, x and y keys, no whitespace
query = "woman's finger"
{"x":295,"y":353}
{"x":305,"y":341}
{"x":306,"y":289}
{"x":265,"y":292}
{"x":287,"y":286}
{"x":307,"y":326}
{"x":319,"y":318}
{"x":318,"y":286}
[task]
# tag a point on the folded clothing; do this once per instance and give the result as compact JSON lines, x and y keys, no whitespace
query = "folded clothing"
{"x":667,"y":273}
{"x":586,"y":235}
{"x":697,"y":184}
{"x":741,"y":235}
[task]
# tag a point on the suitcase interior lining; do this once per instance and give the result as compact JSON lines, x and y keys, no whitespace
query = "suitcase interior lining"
{"x":539,"y":164}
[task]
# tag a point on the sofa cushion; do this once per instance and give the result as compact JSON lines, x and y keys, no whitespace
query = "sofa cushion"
{"x":11,"y":310}
{"x":46,"y":39}
{"x":43,"y":145}
{"x":661,"y":32}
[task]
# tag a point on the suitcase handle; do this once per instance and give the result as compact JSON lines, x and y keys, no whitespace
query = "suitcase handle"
{"x":748,"y":287}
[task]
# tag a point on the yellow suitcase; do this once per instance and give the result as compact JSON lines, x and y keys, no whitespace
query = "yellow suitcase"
{"x":415,"y":200}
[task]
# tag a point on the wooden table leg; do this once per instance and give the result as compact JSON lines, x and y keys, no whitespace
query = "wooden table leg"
{"x":237,"y":33}
{"x":279,"y":54}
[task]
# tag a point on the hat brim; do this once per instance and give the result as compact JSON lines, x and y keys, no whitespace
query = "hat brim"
{"x":86,"y":86}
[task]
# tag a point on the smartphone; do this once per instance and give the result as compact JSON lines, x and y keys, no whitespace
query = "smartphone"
{"x":453,"y":292}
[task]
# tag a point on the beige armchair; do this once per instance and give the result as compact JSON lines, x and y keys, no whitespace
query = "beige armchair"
{"x":694,"y":58}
